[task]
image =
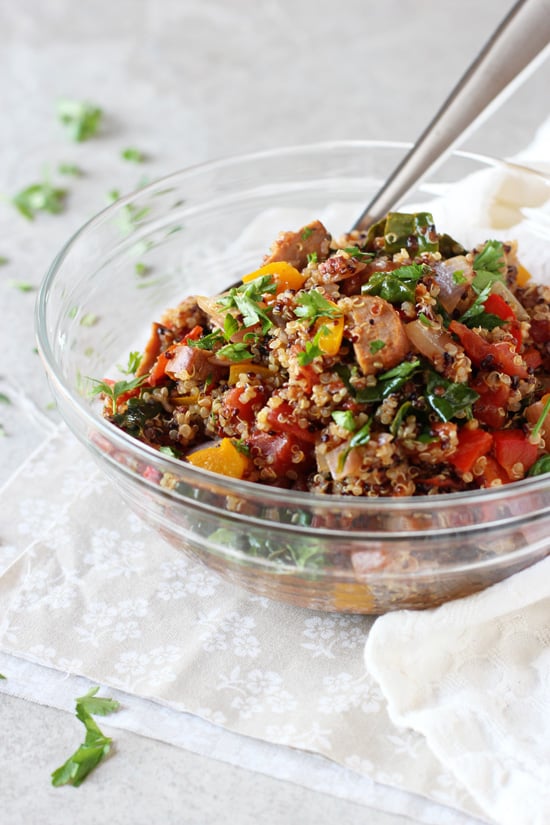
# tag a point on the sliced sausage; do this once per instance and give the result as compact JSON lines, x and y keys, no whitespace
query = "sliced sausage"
{"x":294,"y":247}
{"x":378,"y":336}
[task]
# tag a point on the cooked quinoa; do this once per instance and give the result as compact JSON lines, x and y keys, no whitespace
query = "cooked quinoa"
{"x":386,"y":363}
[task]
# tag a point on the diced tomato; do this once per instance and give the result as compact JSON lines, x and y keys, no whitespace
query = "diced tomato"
{"x":235,"y":408}
{"x":492,"y":472}
{"x":490,"y":407}
{"x":194,"y":335}
{"x":501,"y":356}
{"x":280,"y":449}
{"x":532,"y":358}
{"x":496,"y":305}
{"x":282,"y":420}
{"x":472,"y":444}
{"x":513,"y":448}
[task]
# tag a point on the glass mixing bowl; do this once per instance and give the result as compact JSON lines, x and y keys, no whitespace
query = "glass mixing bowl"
{"x":200,"y":230}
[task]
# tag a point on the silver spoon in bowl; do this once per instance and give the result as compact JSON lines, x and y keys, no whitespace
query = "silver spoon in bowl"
{"x":512,"y":53}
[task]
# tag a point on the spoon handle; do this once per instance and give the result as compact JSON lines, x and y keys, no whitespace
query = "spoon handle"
{"x":510,"y":52}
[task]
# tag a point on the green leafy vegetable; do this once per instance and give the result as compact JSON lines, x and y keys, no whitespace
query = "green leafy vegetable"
{"x":307,"y":233}
{"x":312,"y":258}
{"x":376,"y":346}
{"x":39,"y":197}
{"x":489,"y":265}
{"x":476,"y":316}
{"x":96,"y":745}
{"x":415,"y":232}
{"x":235,"y":352}
{"x":22,"y":286}
{"x":388,"y":382}
{"x":70,"y":169}
{"x":541,"y":466}
{"x":312,"y":305}
{"x":448,"y":399}
{"x":395,"y":286}
{"x":359,"y":254}
{"x":114,"y":391}
{"x":344,"y":419}
{"x":247,"y":299}
{"x":133,"y":155}
{"x":362,"y":436}
{"x":81,"y":119}
{"x":134,"y":360}
{"x":312,"y":349}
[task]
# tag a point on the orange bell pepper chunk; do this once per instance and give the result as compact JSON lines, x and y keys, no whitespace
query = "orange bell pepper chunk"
{"x":223,"y":458}
{"x":284,"y":275}
{"x":246,"y":366}
{"x":332,"y":332}
{"x":523,"y":276}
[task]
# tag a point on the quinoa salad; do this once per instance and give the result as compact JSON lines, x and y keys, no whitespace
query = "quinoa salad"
{"x":391,"y":362}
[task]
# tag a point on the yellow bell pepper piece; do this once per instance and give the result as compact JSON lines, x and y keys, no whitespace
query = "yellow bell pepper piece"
{"x":235,"y":370}
{"x":523,"y":276}
{"x":284,"y":275}
{"x":331,"y":333}
{"x":224,"y":459}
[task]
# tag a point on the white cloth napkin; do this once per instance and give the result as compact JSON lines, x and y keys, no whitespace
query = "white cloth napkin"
{"x":473,"y":676}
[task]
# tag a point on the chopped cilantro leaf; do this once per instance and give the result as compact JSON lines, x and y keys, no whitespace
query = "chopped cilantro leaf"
{"x":307,"y":232}
{"x":134,"y":360}
{"x":133,"y":155}
{"x":81,"y":119}
{"x":489,"y":265}
{"x":115,"y":390}
{"x":312,"y":258}
{"x":39,"y":197}
{"x":96,"y":745}
{"x":22,"y":286}
{"x":376,"y":346}
{"x":355,"y":252}
{"x":312,"y":305}
{"x":235,"y":352}
{"x":344,"y":419}
{"x":70,"y":169}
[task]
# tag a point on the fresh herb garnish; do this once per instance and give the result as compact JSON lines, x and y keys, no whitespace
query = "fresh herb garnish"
{"x":388,"y":382}
{"x":312,"y":305}
{"x":359,"y":254}
{"x":376,"y":346}
{"x":541,"y":466}
{"x":235,"y":352}
{"x":39,"y":197}
{"x":344,"y":419}
{"x":476,"y":316}
{"x":81,"y":119}
{"x":22,"y":286}
{"x":362,"y":436}
{"x":4,"y":399}
{"x":312,"y":258}
{"x":168,"y":451}
{"x":241,"y":446}
{"x":2,"y":676}
{"x":96,"y":745}
{"x":448,"y":399}
{"x":307,"y":232}
{"x":459,"y":277}
{"x":89,"y":320}
{"x":489,"y":265}
{"x":4,"y":260}
{"x":70,"y":169}
{"x":115,"y":390}
{"x":395,"y":286}
{"x":142,"y":269}
{"x":312,"y":349}
{"x":400,"y":415}
{"x":133,"y":155}
{"x":134,"y":360}
{"x":247,"y":298}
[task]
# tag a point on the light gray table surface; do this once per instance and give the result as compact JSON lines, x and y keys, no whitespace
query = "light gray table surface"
{"x":188,"y":81}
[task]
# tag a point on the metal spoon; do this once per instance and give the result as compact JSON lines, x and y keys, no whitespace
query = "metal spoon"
{"x":512,"y":53}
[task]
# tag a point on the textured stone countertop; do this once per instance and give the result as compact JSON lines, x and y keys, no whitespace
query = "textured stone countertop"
{"x":187,"y":81}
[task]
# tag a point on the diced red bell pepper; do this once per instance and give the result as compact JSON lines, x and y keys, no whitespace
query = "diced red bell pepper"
{"x":472,"y":444}
{"x":282,"y":420}
{"x":490,"y":407}
{"x":496,"y":305}
{"x":513,"y":448}
{"x":492,"y":472}
{"x":501,"y":355}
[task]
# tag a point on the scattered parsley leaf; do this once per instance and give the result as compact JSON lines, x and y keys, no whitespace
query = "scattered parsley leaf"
{"x":142,"y":269}
{"x":376,"y":346}
{"x":134,"y":156}
{"x":4,"y":260}
{"x":235,"y":352}
{"x":241,"y":446}
{"x":541,"y":465}
{"x":168,"y":451}
{"x":448,"y":399}
{"x":489,"y":265}
{"x":362,"y":436}
{"x":39,"y":197}
{"x":395,"y":286}
{"x":475,"y":315}
{"x":312,"y":349}
{"x":307,"y":232}
{"x":81,"y":119}
{"x":114,"y":391}
{"x":70,"y":169}
{"x":22,"y":286}
{"x":96,"y":745}
{"x":344,"y":419}
{"x":247,"y":298}
{"x":312,"y":258}
{"x":312,"y":305}
{"x":424,"y":319}
{"x":134,"y":360}
{"x":459,"y":277}
{"x":355,"y":252}
{"x":89,"y":320}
